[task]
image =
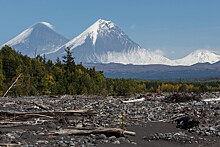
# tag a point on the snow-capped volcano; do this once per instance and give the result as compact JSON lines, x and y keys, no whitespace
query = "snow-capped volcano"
{"x":104,"y":42}
{"x":198,"y":56}
{"x":41,"y":37}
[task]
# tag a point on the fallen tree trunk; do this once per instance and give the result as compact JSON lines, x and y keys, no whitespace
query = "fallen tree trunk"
{"x":135,"y":100}
{"x":51,"y":113}
{"x":107,"y":131}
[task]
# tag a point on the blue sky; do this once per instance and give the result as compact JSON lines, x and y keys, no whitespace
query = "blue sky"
{"x":176,"y":27}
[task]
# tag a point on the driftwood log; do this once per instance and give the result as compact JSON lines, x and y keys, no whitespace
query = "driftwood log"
{"x":51,"y":113}
{"x":9,"y":144}
{"x":107,"y":131}
{"x":135,"y":100}
{"x":41,"y":106}
{"x":26,"y":123}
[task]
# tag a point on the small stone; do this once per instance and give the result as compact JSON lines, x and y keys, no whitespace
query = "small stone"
{"x":116,"y":142}
{"x":134,"y":143}
{"x":207,"y":133}
{"x":63,"y":145}
{"x":58,"y":127}
{"x":72,"y":144}
{"x":212,"y":129}
{"x":88,"y":144}
{"x":101,"y":136}
{"x":66,"y":142}
{"x":60,"y":142}
{"x":105,"y":141}
{"x":122,"y":138}
{"x":145,"y":137}
{"x":92,"y":136}
{"x":25,"y":135}
{"x":112,"y":138}
{"x":127,"y":141}
{"x":51,"y":125}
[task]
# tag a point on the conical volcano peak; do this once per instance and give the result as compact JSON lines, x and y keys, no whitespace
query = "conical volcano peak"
{"x":39,"y":38}
{"x":100,"y":28}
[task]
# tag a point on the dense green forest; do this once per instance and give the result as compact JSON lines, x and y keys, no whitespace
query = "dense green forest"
{"x":43,"y":77}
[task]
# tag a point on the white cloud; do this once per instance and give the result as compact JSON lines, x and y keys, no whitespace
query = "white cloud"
{"x":160,"y":52}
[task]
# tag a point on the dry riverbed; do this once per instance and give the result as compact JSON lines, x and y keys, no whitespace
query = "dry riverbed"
{"x":89,"y":120}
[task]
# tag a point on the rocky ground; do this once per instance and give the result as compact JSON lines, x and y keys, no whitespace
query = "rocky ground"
{"x":154,"y":119}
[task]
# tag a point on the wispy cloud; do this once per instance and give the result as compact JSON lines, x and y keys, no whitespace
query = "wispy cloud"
{"x":160,"y":52}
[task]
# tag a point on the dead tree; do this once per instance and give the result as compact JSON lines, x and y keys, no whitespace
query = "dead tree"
{"x":13,"y":84}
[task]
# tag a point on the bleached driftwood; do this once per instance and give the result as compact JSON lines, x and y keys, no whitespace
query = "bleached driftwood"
{"x":50,"y":113}
{"x":41,"y":106}
{"x":129,"y":133}
{"x":10,"y":144}
{"x":106,"y":131}
{"x":135,"y":100}
{"x":6,"y":124}
{"x":13,"y":84}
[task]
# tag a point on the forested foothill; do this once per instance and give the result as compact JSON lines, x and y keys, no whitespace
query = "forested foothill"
{"x":40,"y":76}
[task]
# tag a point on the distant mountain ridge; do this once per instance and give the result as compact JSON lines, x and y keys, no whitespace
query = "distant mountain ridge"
{"x":102,"y":42}
{"x":158,"y":71}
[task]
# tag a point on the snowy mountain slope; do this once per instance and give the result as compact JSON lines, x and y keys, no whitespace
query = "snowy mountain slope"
{"x":40,"y":37}
{"x":104,"y":42}
{"x":139,"y":56}
{"x":198,"y":56}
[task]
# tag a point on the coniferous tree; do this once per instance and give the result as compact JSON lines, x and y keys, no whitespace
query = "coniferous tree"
{"x":69,"y":60}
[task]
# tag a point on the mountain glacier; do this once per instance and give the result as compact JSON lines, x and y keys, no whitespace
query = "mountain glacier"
{"x":40,"y":38}
{"x":102,"y":42}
